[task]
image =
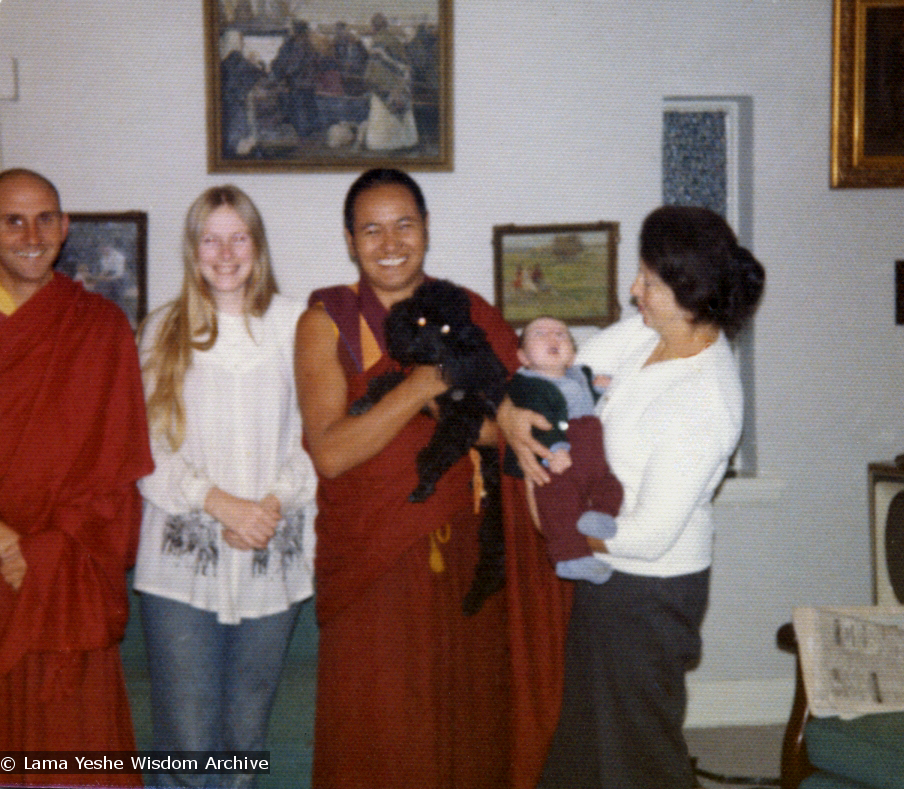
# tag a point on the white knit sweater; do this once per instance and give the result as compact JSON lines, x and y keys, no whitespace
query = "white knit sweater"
{"x":670,"y":429}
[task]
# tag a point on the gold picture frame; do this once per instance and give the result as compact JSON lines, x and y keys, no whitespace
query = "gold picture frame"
{"x":868,"y":94}
{"x":564,"y":271}
{"x":325,"y":86}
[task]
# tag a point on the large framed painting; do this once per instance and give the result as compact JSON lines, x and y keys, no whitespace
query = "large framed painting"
{"x":107,"y":253}
{"x":868,"y":93}
{"x":302,"y":85}
{"x":565,"y":271}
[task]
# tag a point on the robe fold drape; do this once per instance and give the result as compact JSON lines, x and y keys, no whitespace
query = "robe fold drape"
{"x":73,"y":442}
{"x":411,"y":693}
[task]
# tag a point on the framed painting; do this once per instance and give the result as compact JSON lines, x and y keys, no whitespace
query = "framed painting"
{"x":107,"y":253}
{"x":316,"y":85}
{"x":565,"y":271}
{"x":868,"y":94}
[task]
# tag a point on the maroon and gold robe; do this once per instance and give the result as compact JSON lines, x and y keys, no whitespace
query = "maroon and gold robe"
{"x":411,"y":693}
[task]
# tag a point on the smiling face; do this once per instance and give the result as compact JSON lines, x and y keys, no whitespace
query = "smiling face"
{"x":225,"y":258}
{"x":389,"y":241}
{"x":547,"y":347}
{"x":32,"y":231}
{"x":656,"y":302}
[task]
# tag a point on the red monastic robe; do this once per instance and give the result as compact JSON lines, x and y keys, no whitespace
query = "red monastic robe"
{"x":73,"y":442}
{"x":411,"y":693}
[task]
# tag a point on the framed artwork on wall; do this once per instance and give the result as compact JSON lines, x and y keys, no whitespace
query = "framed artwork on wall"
{"x":315,"y":85}
{"x":707,"y":160}
{"x":868,"y":94}
{"x":107,"y":253}
{"x":565,"y":271}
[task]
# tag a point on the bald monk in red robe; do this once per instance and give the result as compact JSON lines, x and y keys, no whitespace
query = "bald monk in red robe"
{"x":74,"y":442}
{"x":411,"y":693}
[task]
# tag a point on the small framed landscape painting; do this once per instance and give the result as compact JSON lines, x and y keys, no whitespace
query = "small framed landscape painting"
{"x":565,"y":271}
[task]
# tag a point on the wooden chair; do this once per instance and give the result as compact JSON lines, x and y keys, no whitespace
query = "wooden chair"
{"x":795,"y":764}
{"x":866,"y":752}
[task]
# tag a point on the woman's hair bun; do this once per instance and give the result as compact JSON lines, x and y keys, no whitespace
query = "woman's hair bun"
{"x":747,"y":282}
{"x":696,"y":253}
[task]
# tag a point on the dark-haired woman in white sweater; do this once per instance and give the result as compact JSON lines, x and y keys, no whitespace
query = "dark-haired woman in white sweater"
{"x":672,"y":415}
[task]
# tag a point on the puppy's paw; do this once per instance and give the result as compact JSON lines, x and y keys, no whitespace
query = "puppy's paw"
{"x":422,"y":492}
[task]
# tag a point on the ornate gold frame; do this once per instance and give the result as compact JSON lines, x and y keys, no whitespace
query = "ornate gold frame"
{"x":863,"y":154}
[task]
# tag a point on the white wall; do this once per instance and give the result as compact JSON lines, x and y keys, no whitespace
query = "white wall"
{"x":557,"y":119}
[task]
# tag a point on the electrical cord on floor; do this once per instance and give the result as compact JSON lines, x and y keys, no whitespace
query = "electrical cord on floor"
{"x":753,"y":783}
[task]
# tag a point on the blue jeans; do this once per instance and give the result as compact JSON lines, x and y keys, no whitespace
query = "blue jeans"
{"x":212,"y":685}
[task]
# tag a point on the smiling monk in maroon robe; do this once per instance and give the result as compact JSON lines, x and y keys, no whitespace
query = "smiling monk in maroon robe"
{"x":73,"y":442}
{"x":412,"y":694}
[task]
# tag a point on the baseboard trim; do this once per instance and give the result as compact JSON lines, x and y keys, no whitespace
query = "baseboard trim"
{"x":739,"y":702}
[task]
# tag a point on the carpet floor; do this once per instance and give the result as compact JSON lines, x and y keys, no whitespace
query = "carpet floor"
{"x":732,"y":752}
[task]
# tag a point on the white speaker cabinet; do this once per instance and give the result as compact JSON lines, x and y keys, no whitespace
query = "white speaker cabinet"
{"x":886,"y":514}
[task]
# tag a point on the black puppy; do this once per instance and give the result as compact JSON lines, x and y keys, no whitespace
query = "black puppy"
{"x":434,"y":327}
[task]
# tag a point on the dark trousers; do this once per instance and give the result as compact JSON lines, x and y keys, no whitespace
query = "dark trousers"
{"x":587,"y":485}
{"x":630,"y":642}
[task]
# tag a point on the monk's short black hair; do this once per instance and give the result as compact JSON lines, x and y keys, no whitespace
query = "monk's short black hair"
{"x":378,"y":177}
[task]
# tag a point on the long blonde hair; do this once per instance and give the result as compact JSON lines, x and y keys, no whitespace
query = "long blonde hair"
{"x":190,"y":322}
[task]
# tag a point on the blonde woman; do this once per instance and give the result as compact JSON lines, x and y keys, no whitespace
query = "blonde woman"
{"x":222,"y":562}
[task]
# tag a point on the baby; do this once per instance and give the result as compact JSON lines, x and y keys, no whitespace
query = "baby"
{"x":583,"y":495}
